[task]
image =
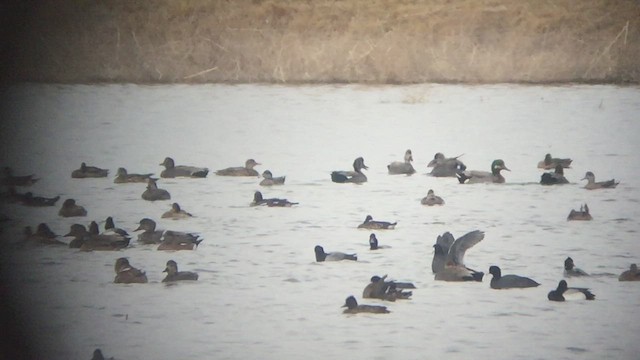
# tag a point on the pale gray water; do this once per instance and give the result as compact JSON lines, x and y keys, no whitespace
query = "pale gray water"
{"x":260,"y":293}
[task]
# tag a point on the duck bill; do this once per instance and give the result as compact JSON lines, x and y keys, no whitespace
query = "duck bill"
{"x":506,"y":168}
{"x":138,"y":228}
{"x":165,"y":270}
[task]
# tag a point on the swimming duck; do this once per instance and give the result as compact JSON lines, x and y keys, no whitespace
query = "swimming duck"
{"x":582,"y":214}
{"x":445,"y":167}
{"x":332,"y":256}
{"x":551,"y":163}
{"x":500,"y":281}
{"x":571,"y":270}
{"x":272,"y":202}
{"x":11,"y":180}
{"x":352,"y":307}
{"x":123,"y":177}
{"x":592,"y":184}
{"x":476,"y":176}
{"x":630,"y":275}
{"x":454,"y":268}
{"x":178,"y":240}
{"x":153,"y":193}
{"x":87,"y":171}
{"x":369,"y":223}
{"x":174,"y":275}
{"x":37,"y":201}
{"x":172,"y":171}
{"x":246,"y":170}
{"x":379,"y":288}
{"x":150,"y":235}
{"x":270,"y":180}
{"x":110,"y":228}
{"x":373,"y":243}
{"x":441,"y":249}
{"x":127,"y":274}
{"x":86,"y":241}
{"x":563,"y":292}
{"x":431,"y":199}
{"x":556,"y":177}
{"x":42,"y":236}
{"x":176,"y":213}
{"x":402,"y":167}
{"x":355,"y":176}
{"x":70,"y":209}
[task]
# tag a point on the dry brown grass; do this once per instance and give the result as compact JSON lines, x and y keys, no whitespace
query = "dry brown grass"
{"x":292,"y":41}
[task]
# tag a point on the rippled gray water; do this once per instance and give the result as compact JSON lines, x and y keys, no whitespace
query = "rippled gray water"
{"x":260,"y":293}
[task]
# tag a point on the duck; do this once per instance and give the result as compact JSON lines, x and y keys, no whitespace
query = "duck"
{"x":332,"y":256}
{"x":554,"y":178}
{"x":402,"y":167}
{"x":122,"y":177}
{"x":272,"y":202}
{"x":369,"y":223}
{"x":86,"y":241}
{"x":445,"y":167}
{"x":71,"y":209}
{"x":500,"y":281}
{"x":563,"y":292}
{"x":571,"y":270}
{"x":174,"y":275}
{"x":127,"y":274}
{"x":373,"y":243}
{"x":441,"y":249}
{"x":43,"y":236}
{"x":476,"y":176}
{"x":582,"y":214}
{"x":356,"y":176}
{"x":86,"y":171}
{"x":154,"y":193}
{"x":270,"y":180}
{"x":12,"y":180}
{"x":176,"y":213}
{"x":352,"y":307}
{"x":178,"y":240}
{"x":38,"y":201}
{"x":551,"y":163}
{"x":592,"y":184}
{"x":630,"y":275}
{"x":110,"y":228}
{"x":246,"y":170}
{"x":150,"y":235}
{"x":173,"y":171}
{"x":454,"y":268}
{"x":97,"y":355}
{"x":379,"y":288}
{"x":431,"y":199}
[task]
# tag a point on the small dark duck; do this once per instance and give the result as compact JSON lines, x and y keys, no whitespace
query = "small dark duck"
{"x":258,"y":200}
{"x":356,"y":176}
{"x":373,"y":243}
{"x":127,"y":274}
{"x":154,"y":193}
{"x":431,"y":199}
{"x":246,"y":170}
{"x":630,"y":275}
{"x":554,"y":178}
{"x":369,"y":223}
{"x":178,"y":240}
{"x":269,"y":180}
{"x":592,"y":184}
{"x":71,"y":209}
{"x":174,"y":275}
{"x":551,"y":163}
{"x":87,"y":171}
{"x":570,"y":269}
{"x":500,"y":281}
{"x":173,"y":171}
{"x":563,"y":292}
{"x":122,"y":177}
{"x":352,"y":307}
{"x":582,"y":214}
{"x":176,"y":213}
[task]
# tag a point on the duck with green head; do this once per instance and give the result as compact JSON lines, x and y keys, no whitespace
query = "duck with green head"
{"x":476,"y":176}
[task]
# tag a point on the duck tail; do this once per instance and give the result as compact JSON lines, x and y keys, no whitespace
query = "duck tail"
{"x":462,"y":177}
{"x":353,"y":257}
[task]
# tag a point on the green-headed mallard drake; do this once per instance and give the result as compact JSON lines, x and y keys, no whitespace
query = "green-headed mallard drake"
{"x":347,"y":176}
{"x":70,"y":209}
{"x":550,"y":163}
{"x":127,"y":274}
{"x":402,"y":167}
{"x":453,"y":268}
{"x":369,"y":223}
{"x":173,"y":171}
{"x":87,"y":171}
{"x":352,"y":307}
{"x":500,"y":281}
{"x":630,"y":275}
{"x":475,"y":176}
{"x":592,"y":184}
{"x":563,"y":292}
{"x":445,"y":167}
{"x":246,"y":170}
{"x":174,"y":275}
{"x":123,"y":177}
{"x":270,"y":180}
{"x":153,"y":193}
{"x":582,"y":214}
{"x":176,"y":213}
{"x":431,"y":199}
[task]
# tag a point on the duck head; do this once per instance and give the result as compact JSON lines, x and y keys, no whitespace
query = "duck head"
{"x":568,"y":264}
{"x":320,"y":254}
{"x":436,"y":159}
{"x":589,"y":176}
{"x":408,"y":156}
{"x":122,"y":172}
{"x":250,"y":163}
{"x":350,"y":303}
{"x":358,"y":164}
{"x":373,"y":241}
{"x":171,"y":268}
{"x":498,"y":165}
{"x":267,"y":174}
{"x":257,"y":196}
{"x":146,"y":224}
{"x":495,"y":271}
{"x":168,"y":163}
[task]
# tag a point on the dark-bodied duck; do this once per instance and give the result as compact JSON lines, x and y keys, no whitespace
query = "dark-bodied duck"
{"x":500,"y":281}
{"x":269,"y":180}
{"x":97,"y":355}
{"x":110,"y":228}
{"x":551,"y":163}
{"x":179,"y":240}
{"x":127,"y":274}
{"x":86,"y":241}
{"x":176,"y":213}
{"x":582,"y":214}
{"x":86,"y":171}
{"x":150,"y":235}
{"x":246,"y":170}
{"x":445,"y":167}
{"x":174,"y":275}
{"x":38,"y":201}
{"x":369,"y":223}
{"x":379,"y":288}
{"x":352,"y":307}
{"x":12,"y":180}
{"x":554,"y":178}
{"x":71,"y":209}
{"x":431,"y":199}
{"x":630,"y":275}
{"x":355,"y":176}
{"x":570,"y":269}
{"x":454,"y":268}
{"x":122,"y":177}
{"x":564,"y":292}
{"x":402,"y":167}
{"x":373,"y":243}
{"x":154,"y":193}
{"x":42,"y":236}
{"x":476,"y":176}
{"x":592,"y":184}
{"x":173,"y":171}
{"x":332,"y":256}
{"x":271,"y":202}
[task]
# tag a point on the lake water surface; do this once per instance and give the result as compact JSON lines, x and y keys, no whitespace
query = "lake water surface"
{"x":260,"y":294}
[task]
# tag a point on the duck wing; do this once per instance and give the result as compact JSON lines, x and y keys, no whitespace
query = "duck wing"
{"x":460,"y":246}
{"x":445,"y":241}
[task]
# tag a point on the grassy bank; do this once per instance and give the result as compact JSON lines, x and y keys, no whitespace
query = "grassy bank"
{"x":294,"y":41}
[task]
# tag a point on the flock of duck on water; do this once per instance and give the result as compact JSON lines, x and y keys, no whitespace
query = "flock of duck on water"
{"x":448,"y":257}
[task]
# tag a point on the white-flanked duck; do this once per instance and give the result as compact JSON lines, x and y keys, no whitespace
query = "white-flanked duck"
{"x":110,"y":228}
{"x":554,"y":178}
{"x":564,"y":292}
{"x":174,"y":275}
{"x":269,"y":180}
{"x":445,"y":167}
{"x":402,"y":167}
{"x":153,"y":193}
{"x":476,"y":176}
{"x":630,"y":275}
{"x":352,"y":307}
{"x":582,"y":214}
{"x":332,"y":256}
{"x":551,"y":163}
{"x":454,"y":268}
{"x":246,"y":170}
{"x":570,"y":269}
{"x":127,"y":274}
{"x":259,"y":200}
{"x":355,"y":176}
{"x":592,"y":184}
{"x":173,"y":171}
{"x":431,"y":199}
{"x":500,"y":281}
{"x":369,"y":223}
{"x":87,"y":171}
{"x":123,"y":177}
{"x":176,"y":213}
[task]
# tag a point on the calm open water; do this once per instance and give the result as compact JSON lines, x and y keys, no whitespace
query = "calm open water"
{"x":260,"y":294}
